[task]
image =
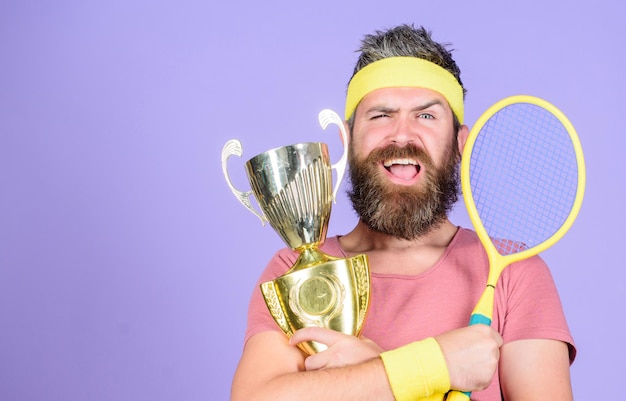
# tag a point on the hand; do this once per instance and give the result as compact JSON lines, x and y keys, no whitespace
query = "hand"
{"x":343,"y":349}
{"x":472,"y":355}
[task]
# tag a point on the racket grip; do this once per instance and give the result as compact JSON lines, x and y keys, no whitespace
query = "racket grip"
{"x":457,"y":396}
{"x":454,"y":395}
{"x":480,"y":315}
{"x":478,"y":318}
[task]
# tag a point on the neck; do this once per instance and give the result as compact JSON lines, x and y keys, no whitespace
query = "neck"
{"x":363,"y":239}
{"x":391,"y":255}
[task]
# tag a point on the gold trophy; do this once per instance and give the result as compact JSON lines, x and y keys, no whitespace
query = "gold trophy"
{"x":293,"y":188}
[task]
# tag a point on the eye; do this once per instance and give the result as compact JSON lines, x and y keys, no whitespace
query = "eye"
{"x":377,"y":116}
{"x":427,"y":116}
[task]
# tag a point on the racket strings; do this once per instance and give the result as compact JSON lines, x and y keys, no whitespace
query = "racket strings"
{"x":523,"y":176}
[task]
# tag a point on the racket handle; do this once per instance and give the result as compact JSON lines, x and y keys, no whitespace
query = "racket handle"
{"x":484,"y":307}
{"x":480,"y":315}
{"x":457,"y":396}
{"x":478,"y":318}
{"x":454,"y":395}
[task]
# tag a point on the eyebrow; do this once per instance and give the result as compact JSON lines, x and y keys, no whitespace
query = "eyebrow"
{"x":434,"y":102}
{"x":386,"y":109}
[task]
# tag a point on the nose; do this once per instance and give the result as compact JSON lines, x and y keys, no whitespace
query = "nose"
{"x":403,"y":132}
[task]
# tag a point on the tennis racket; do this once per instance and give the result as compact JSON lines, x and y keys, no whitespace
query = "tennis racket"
{"x":523,"y":180}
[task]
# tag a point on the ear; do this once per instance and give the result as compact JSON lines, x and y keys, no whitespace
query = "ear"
{"x":347,"y":128}
{"x":462,"y":137}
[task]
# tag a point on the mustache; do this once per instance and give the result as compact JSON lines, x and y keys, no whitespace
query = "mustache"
{"x":399,"y":152}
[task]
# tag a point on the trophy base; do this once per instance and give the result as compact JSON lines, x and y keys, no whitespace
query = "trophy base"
{"x":320,"y":291}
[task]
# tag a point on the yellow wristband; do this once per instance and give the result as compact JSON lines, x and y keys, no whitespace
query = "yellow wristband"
{"x":416,"y":370}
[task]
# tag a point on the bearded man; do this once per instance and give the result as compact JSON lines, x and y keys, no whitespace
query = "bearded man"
{"x":404,"y":112}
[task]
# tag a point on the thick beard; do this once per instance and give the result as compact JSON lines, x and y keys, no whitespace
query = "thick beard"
{"x":399,"y":211}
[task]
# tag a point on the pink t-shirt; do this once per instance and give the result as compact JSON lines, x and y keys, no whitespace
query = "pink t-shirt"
{"x":407,"y":308}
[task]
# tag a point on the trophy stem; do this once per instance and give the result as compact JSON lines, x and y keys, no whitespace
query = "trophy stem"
{"x":310,"y":256}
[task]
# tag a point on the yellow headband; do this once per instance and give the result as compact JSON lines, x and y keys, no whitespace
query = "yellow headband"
{"x":404,"y":71}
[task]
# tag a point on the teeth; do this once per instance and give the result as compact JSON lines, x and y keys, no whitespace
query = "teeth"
{"x":388,"y":163}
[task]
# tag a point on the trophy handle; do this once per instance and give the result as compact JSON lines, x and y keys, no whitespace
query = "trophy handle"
{"x":327,"y":117}
{"x":233,"y":147}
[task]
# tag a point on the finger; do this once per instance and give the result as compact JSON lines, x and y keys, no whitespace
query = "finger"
{"x":496,"y":336}
{"x":499,"y":340}
{"x":316,"y":361}
{"x":317,"y":334}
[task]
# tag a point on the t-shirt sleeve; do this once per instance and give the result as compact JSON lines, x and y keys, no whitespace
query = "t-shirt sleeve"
{"x":534,"y":309}
{"x":259,"y":317}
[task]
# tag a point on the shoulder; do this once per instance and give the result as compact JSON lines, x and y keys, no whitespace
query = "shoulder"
{"x":466,"y":237}
{"x":529,"y":275}
{"x":332,"y":247}
{"x":466,"y":249}
{"x":279,"y":263}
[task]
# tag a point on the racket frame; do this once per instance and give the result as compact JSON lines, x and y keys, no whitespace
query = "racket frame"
{"x":497,"y":263}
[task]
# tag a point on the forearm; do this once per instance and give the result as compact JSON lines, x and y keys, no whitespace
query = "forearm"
{"x":362,"y":382}
{"x":273,"y":369}
{"x":416,"y":370}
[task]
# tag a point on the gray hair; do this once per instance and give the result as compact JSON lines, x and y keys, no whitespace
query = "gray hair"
{"x":406,"y":40}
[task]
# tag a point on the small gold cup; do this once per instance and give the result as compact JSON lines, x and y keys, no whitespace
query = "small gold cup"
{"x":293,"y":187}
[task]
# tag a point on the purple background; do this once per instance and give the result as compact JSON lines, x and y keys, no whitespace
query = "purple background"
{"x":125,"y":262}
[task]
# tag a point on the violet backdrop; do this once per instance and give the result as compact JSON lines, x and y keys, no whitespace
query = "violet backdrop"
{"x":126,"y":263}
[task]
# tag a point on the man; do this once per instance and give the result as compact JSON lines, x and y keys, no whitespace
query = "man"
{"x":404,"y":111}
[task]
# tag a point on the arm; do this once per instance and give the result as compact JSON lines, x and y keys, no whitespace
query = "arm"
{"x":535,"y":370}
{"x":272,"y":369}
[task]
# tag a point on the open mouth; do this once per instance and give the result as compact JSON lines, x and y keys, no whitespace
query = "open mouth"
{"x":404,"y":168}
